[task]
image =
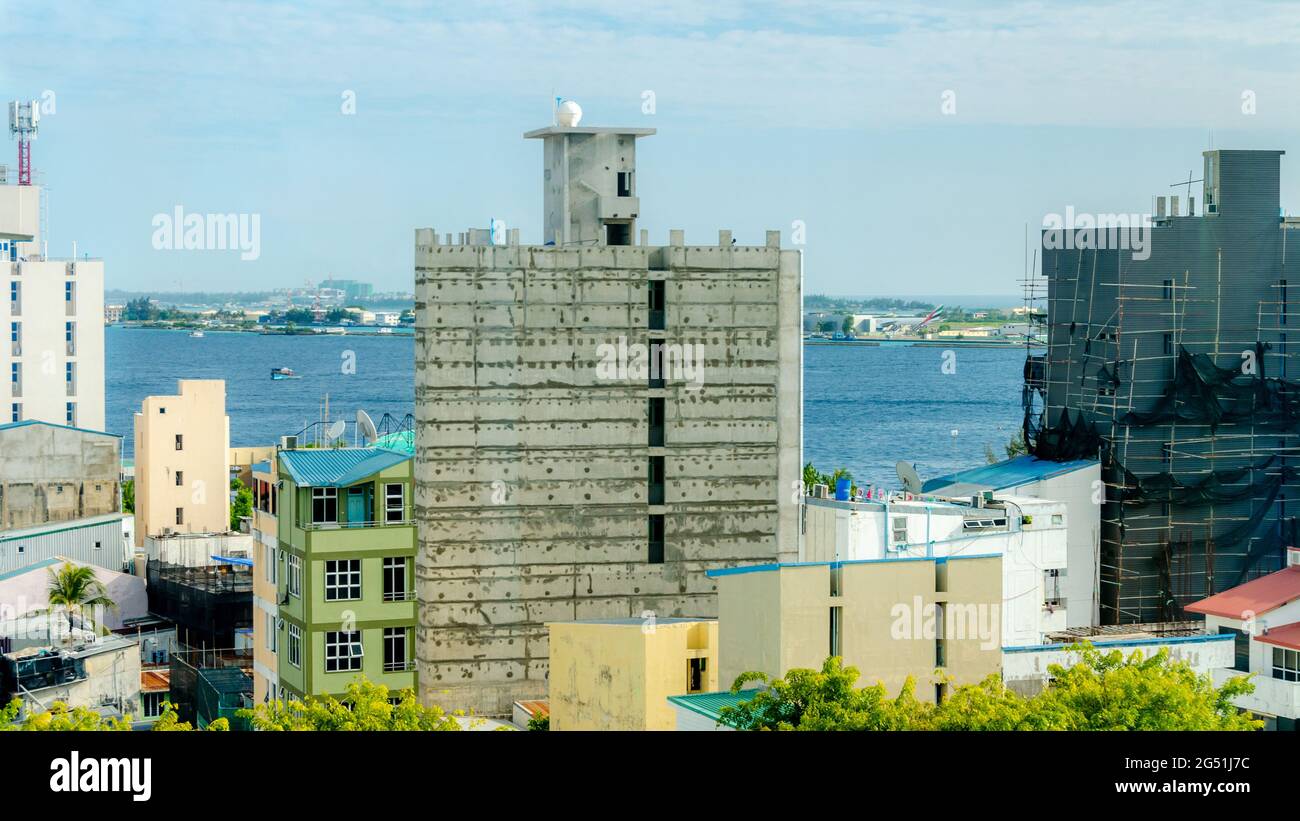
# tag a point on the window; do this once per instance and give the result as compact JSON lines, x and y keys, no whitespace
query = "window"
{"x":657,"y":421}
{"x":294,"y":582}
{"x":152,"y":704}
{"x":1286,"y":664}
{"x":70,"y":337}
{"x":16,"y":412}
{"x":394,"y":649}
{"x":16,"y":338}
{"x":1241,"y":642}
{"x":343,"y":651}
{"x":180,"y":478}
{"x":295,"y":645}
{"x":162,"y":411}
{"x":938,"y":693}
{"x":899,"y":529}
{"x":625,"y":183}
{"x":395,"y":578}
{"x":837,"y":579}
{"x":656,"y":489}
{"x":836,"y":616}
{"x":342,"y":580}
{"x":180,"y":515}
{"x":324,"y":505}
{"x":656,"y":368}
{"x":99,"y":545}
{"x":15,"y":298}
{"x":1169,"y":344}
{"x":618,"y":233}
{"x":395,"y":502}
{"x":70,"y":377}
{"x":70,"y":296}
{"x":656,"y":539}
{"x":180,"y":442}
{"x":1169,"y":289}
{"x":658,"y":296}
{"x":271,"y":636}
{"x":270,"y":563}
{"x":1058,"y":519}
{"x":940,"y":645}
{"x":696,"y":675}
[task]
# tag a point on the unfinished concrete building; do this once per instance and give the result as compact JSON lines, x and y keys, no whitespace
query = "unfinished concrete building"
{"x":598,"y":423}
{"x":1168,"y":356}
{"x":51,"y":473}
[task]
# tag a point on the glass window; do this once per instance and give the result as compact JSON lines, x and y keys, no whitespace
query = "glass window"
{"x":295,"y":645}
{"x":342,"y":579}
{"x":324,"y":505}
{"x":395,"y":502}
{"x":395,"y":578}
{"x":343,"y":651}
{"x":1286,"y":664}
{"x":394,"y":649}
{"x":295,"y":575}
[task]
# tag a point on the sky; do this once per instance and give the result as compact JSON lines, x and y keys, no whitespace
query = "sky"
{"x":912,"y":143}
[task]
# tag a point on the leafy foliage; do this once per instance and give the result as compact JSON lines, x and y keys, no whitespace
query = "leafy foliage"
{"x":75,"y":588}
{"x":364,"y":707}
{"x":1103,"y":691}
{"x":542,"y":723}
{"x":128,"y":496}
{"x":60,"y":717}
{"x":242,"y":504}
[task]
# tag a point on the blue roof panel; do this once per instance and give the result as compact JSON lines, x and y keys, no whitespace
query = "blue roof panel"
{"x":337,"y":467}
{"x":1007,"y":474}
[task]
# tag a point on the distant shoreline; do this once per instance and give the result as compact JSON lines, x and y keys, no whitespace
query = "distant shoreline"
{"x":924,"y":343}
{"x":280,"y":330}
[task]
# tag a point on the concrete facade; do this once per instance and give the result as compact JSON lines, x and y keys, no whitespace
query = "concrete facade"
{"x":52,"y":318}
{"x":617,"y":674}
{"x":182,"y":462}
{"x":52,"y":473}
{"x":555,"y":479}
{"x":888,"y":614}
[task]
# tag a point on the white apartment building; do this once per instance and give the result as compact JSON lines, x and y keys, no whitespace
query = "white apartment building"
{"x":52,"y":320}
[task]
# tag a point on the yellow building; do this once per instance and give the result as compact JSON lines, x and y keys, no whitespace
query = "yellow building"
{"x":617,"y":674}
{"x":182,"y":462}
{"x":932,"y":619}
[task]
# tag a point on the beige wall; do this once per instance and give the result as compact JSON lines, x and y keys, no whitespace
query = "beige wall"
{"x":776,"y":620}
{"x":265,"y":607}
{"x":618,"y":676}
{"x":198,"y":415}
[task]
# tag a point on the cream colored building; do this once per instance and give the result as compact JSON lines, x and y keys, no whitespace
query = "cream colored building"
{"x":617,"y":674}
{"x":52,"y":320}
{"x":182,"y":462}
{"x":934,"y":619}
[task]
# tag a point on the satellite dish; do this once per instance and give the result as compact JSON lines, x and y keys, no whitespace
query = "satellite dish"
{"x":569,"y":114}
{"x":366,"y":427}
{"x":908,"y":476}
{"x":336,"y":430}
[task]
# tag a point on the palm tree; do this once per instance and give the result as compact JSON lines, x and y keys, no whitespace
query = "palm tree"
{"x":75,"y":588}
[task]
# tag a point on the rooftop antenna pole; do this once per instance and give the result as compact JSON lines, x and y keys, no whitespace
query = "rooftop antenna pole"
{"x":24,"y":122}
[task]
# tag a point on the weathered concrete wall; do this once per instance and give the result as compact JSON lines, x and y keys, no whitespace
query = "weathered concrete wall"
{"x":532,"y":463}
{"x":55,"y":474}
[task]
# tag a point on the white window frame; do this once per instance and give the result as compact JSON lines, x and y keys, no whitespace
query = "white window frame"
{"x":324,"y":495}
{"x":392,"y":563}
{"x":392,"y":634}
{"x":158,"y":698}
{"x":295,"y":646}
{"x":389,"y":509}
{"x":344,"y":651}
{"x":294,"y":581}
{"x":342,"y":579}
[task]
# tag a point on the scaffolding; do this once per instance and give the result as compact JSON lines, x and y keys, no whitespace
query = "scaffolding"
{"x":210,"y":684}
{"x":1175,"y":370}
{"x":208,"y":604}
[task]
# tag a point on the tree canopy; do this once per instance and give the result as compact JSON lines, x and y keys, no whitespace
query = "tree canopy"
{"x":1103,"y":691}
{"x":366,"y":706}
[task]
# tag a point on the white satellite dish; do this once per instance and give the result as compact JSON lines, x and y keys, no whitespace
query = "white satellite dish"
{"x":366,"y":427}
{"x":569,"y":114}
{"x":336,"y":430}
{"x":909,"y":477}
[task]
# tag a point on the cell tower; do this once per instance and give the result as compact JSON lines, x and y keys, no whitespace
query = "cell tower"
{"x":24,"y":122}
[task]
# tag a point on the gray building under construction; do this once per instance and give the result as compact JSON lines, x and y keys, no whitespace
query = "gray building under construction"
{"x":1168,"y":356}
{"x":599,"y":422}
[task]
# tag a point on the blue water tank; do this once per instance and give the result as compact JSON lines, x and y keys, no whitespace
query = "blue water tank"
{"x":842,"y":489}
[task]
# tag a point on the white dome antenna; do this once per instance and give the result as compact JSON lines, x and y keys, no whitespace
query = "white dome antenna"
{"x":568,"y":114}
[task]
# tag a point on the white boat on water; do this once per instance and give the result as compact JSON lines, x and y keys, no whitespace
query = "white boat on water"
{"x":196,"y":334}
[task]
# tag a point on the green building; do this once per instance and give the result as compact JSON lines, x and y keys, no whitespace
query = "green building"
{"x":345,"y":574}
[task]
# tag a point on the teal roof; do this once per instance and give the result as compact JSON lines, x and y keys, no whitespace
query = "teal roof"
{"x":1010,"y":473}
{"x":27,"y":422}
{"x":403,"y":440}
{"x":710,"y":705}
{"x":337,"y":467}
{"x":29,"y":568}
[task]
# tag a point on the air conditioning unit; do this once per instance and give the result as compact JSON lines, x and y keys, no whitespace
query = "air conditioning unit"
{"x":288,"y":442}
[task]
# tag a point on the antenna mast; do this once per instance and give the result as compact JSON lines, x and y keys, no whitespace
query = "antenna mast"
{"x":24,"y":122}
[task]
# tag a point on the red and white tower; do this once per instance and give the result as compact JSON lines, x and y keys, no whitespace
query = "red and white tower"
{"x":24,"y":121}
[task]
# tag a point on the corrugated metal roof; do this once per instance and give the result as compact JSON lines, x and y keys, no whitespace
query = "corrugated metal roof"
{"x":26,"y":422}
{"x":337,"y":467}
{"x":535,"y":708}
{"x":1256,"y":596}
{"x":55,"y":527}
{"x":153,"y":681}
{"x":1006,"y":474}
{"x":710,"y":705}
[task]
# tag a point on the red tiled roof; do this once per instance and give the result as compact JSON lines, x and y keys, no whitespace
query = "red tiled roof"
{"x":1288,"y":635}
{"x":152,"y":681}
{"x":1256,"y":596}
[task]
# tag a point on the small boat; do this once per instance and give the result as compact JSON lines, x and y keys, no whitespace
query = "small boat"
{"x":196,"y":334}
{"x":284,"y":373}
{"x":385,"y":330}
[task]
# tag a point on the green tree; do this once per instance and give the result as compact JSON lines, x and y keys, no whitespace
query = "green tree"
{"x":539,"y":723}
{"x":1102,"y":691}
{"x":846,"y":327}
{"x":61,"y":717}
{"x":826,"y":326}
{"x":74,"y":588}
{"x":128,"y":496}
{"x":242,"y":503}
{"x":364,"y":707}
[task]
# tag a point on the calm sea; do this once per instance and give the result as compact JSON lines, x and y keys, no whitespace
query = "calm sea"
{"x":865,"y":408}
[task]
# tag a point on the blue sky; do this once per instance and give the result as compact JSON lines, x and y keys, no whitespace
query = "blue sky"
{"x":768,"y":112}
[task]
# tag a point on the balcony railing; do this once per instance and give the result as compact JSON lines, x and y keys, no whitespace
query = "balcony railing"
{"x":399,"y":666}
{"x":399,"y":595}
{"x":353,"y":525}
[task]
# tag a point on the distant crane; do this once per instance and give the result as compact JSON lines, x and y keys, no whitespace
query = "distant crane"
{"x":24,"y":122}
